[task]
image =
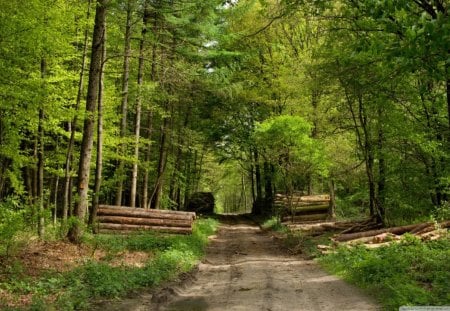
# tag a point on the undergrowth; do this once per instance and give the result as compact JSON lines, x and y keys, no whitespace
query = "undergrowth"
{"x":408,"y":273}
{"x":73,"y":290}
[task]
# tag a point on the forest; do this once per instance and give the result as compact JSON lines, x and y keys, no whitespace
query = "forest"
{"x":143,"y":103}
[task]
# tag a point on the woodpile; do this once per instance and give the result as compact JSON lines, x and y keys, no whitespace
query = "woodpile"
{"x":126,"y":219}
{"x":375,"y":238}
{"x":319,"y":227}
{"x":303,"y":208}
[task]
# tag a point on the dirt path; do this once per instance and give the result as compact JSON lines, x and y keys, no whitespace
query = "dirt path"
{"x":246,"y":270}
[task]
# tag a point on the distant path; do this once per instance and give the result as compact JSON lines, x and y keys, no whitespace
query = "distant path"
{"x":245,"y":269}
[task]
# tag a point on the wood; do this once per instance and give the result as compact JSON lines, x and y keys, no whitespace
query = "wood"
{"x":121,"y":218}
{"x":119,"y":227}
{"x":146,"y":221}
{"x":300,"y":203}
{"x":149,"y":213}
{"x":394,"y":230}
{"x":311,"y":208}
{"x":305,"y":217}
{"x":304,"y":198}
{"x":84,"y":168}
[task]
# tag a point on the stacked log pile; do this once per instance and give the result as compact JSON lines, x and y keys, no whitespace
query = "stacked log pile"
{"x":320,"y":227}
{"x":381,"y":237}
{"x":298,"y":208}
{"x":122,"y":219}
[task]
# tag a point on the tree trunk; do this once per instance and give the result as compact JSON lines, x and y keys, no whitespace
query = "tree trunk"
{"x":156,"y":196}
{"x":137,"y":125}
{"x":120,"y":172}
{"x":99,"y":161}
{"x":76,"y":231}
{"x":381,"y":182}
{"x":268,"y":186}
{"x":73,"y":125}
{"x":40,"y":170}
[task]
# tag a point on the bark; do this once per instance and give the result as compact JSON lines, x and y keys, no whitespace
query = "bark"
{"x":148,"y":156}
{"x":381,"y":182}
{"x":148,"y":213}
{"x":312,"y":208}
{"x":40,"y":151}
{"x":137,"y":125}
{"x":394,"y":230}
{"x":73,"y":125}
{"x":156,"y":195}
{"x":99,"y":161}
{"x":146,"y":221}
{"x":178,"y":230}
{"x":300,"y":218}
{"x":268,"y":185}
{"x":75,"y":231}
{"x":120,"y":172}
{"x":332,"y":205}
{"x":146,"y":201}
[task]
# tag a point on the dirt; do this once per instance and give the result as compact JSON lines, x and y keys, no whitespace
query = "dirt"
{"x":246,"y":269}
{"x":36,"y":258}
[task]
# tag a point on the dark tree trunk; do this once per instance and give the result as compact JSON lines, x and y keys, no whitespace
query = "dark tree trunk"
{"x":40,"y":153}
{"x":75,"y":231}
{"x":120,"y":172}
{"x":156,"y":195}
{"x":73,"y":125}
{"x":99,"y":161}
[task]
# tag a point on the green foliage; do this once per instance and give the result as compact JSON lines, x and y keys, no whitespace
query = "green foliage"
{"x":407,"y":273}
{"x":274,"y":224}
{"x":171,"y":255}
{"x":285,"y":142}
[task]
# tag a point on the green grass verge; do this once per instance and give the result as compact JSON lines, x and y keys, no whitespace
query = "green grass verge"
{"x":408,"y":273}
{"x":73,"y":290}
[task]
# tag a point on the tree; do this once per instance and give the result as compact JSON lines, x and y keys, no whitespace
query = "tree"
{"x":98,"y":38}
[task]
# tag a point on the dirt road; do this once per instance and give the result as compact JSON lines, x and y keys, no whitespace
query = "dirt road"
{"x":245,"y":269}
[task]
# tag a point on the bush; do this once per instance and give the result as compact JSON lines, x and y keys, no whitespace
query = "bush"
{"x":172,"y":254}
{"x":407,"y":273}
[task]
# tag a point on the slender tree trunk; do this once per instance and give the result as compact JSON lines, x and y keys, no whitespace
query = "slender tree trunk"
{"x":146,"y":201}
{"x":40,"y":170}
{"x":148,"y":155}
{"x":76,"y":231}
{"x":124,"y":106}
{"x":69,"y":154}
{"x":156,"y":196}
{"x":137,"y":126}
{"x":55,"y":200}
{"x":268,"y":185}
{"x":99,"y":161}
{"x":257,"y":204}
{"x":175,"y":180}
{"x":381,"y":168}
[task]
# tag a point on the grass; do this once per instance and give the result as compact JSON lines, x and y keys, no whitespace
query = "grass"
{"x":75,"y":289}
{"x":408,"y":273}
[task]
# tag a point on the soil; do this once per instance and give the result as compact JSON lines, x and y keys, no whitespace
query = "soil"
{"x":246,"y":269}
{"x":36,"y":258}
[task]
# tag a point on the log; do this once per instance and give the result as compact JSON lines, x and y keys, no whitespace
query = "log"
{"x":120,"y":227}
{"x":300,"y":218}
{"x":421,"y":227}
{"x":162,"y":211}
{"x":303,"y":198}
{"x":107,"y":210}
{"x":311,"y":208}
{"x":145,"y":221}
{"x":365,"y":225}
{"x":300,"y":203}
{"x":394,"y":230}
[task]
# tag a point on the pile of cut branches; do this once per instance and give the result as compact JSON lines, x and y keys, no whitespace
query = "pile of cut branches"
{"x":375,"y":238}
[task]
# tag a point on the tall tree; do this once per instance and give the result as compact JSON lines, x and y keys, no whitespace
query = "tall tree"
{"x":98,"y":38}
